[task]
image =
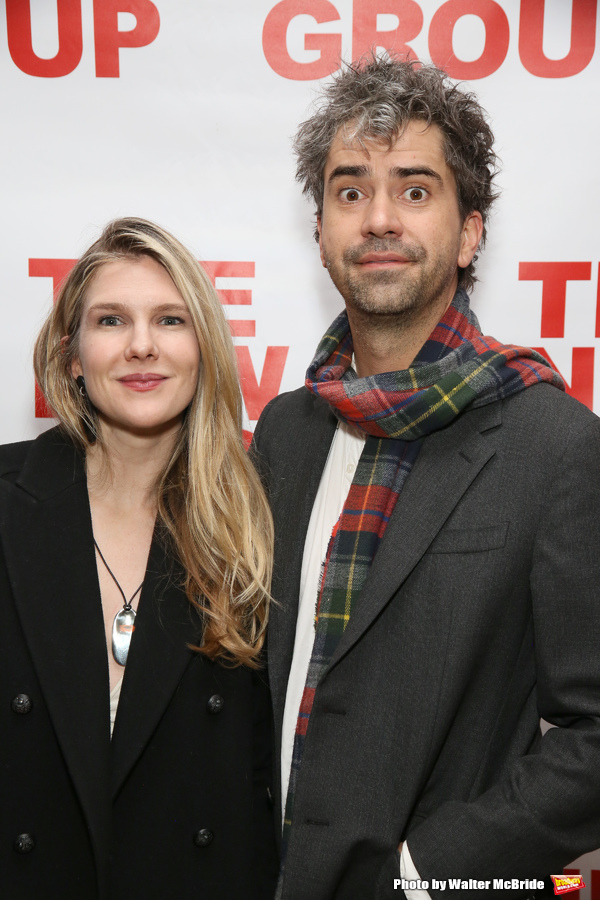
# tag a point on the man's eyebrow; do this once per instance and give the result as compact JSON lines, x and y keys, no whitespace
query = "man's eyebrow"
{"x":396,"y":172}
{"x":348,"y":171}
{"x":412,"y":171}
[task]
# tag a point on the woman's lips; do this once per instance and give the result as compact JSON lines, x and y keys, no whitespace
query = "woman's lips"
{"x":142,"y":381}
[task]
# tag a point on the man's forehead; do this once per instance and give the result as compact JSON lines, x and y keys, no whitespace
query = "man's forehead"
{"x":417,"y":136}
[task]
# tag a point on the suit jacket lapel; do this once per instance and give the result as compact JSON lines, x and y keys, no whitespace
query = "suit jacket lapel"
{"x":292,"y":507}
{"x":47,"y":538}
{"x":165,"y":624}
{"x":448,"y":462}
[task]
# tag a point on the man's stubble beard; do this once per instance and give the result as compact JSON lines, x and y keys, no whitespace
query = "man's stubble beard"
{"x":386,"y":294}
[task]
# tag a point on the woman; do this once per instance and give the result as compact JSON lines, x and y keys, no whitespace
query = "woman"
{"x":136,"y":532}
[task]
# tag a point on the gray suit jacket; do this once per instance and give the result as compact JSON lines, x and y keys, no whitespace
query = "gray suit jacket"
{"x":479,"y":615}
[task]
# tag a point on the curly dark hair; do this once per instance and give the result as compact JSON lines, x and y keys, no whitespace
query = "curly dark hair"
{"x":374,"y":99}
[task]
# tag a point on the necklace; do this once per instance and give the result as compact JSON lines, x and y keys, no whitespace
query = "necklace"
{"x":124,"y":621}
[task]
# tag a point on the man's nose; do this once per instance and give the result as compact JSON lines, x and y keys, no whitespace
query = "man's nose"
{"x":382,"y":217}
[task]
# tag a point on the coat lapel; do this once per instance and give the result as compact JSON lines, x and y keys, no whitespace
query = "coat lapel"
{"x":292,"y":505}
{"x":165,"y":624}
{"x":448,"y":462}
{"x":47,"y":539}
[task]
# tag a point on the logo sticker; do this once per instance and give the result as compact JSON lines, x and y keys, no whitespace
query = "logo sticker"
{"x":564,"y":883}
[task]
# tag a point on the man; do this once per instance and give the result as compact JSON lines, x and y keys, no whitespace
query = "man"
{"x":436,"y":495}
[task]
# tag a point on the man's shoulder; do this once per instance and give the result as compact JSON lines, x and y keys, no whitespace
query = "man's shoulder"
{"x":298,"y":402}
{"x":543,"y":406}
{"x":291,"y":426}
{"x":292,"y":413}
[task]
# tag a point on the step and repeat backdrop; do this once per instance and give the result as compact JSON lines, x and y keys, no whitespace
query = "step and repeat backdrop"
{"x":184,"y":113}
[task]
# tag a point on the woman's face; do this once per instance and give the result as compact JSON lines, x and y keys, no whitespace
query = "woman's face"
{"x":138,"y":350}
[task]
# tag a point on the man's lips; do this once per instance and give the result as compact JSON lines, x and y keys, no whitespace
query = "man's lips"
{"x":383,"y":259}
{"x":142,"y":381}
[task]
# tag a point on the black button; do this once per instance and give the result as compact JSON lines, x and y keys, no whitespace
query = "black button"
{"x":24,"y":843}
{"x":21,"y":704}
{"x":203,"y":837}
{"x":215,"y":704}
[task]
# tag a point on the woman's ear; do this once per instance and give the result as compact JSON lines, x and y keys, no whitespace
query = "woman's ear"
{"x":76,"y":369}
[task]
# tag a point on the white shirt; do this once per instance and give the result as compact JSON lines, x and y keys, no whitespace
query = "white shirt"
{"x":115,"y":695}
{"x":338,"y":474}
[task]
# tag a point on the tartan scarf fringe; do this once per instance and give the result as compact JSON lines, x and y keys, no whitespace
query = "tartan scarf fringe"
{"x":472,"y":369}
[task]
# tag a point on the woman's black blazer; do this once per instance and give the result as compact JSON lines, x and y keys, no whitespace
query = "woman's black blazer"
{"x":176,"y":805}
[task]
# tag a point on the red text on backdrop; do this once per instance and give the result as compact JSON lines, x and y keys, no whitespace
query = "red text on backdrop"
{"x":366,"y":35}
{"x":107,"y":37}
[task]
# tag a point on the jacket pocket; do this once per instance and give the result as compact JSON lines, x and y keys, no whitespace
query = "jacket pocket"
{"x":470,"y":540}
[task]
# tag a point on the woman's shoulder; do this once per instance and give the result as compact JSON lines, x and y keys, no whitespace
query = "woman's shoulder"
{"x":13,"y":456}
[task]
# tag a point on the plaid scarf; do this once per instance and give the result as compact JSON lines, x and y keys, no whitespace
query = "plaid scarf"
{"x":457,"y":367}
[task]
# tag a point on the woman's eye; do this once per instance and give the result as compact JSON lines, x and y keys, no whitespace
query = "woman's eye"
{"x":351,"y":195}
{"x":415,"y":194}
{"x":171,"y":320}
{"x":110,"y":320}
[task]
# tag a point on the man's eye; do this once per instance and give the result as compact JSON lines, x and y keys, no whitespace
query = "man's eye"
{"x":110,"y":320}
{"x":351,"y":195}
{"x":415,"y":194}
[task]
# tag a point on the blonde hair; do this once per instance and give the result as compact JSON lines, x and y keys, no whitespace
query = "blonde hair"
{"x":210,"y":501}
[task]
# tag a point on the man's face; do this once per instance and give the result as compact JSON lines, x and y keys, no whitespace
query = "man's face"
{"x":391,"y":234}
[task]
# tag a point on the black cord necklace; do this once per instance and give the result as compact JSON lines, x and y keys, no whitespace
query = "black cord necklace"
{"x":124,"y":621}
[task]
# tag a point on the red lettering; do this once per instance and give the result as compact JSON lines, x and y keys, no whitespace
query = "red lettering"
{"x":242,"y":327}
{"x":108,"y":38}
{"x":257,"y":395}
{"x":224,"y":269}
{"x":365,"y":35}
{"x":497,"y":36}
{"x":42,"y":410}
{"x":554,"y":277}
{"x":582,"y":380}
{"x":57,"y":270}
{"x":597,"y":334}
{"x":274,"y":39}
{"x":531,"y":38}
{"x":20,"y":45}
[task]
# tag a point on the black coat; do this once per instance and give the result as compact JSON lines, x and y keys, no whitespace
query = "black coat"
{"x":176,"y":805}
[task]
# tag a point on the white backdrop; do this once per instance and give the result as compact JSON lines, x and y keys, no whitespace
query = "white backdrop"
{"x":183,"y":112}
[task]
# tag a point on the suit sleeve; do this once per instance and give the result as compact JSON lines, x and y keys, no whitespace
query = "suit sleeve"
{"x":544,"y":810}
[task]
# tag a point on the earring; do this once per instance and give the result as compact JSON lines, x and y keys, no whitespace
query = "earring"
{"x":80,"y":382}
